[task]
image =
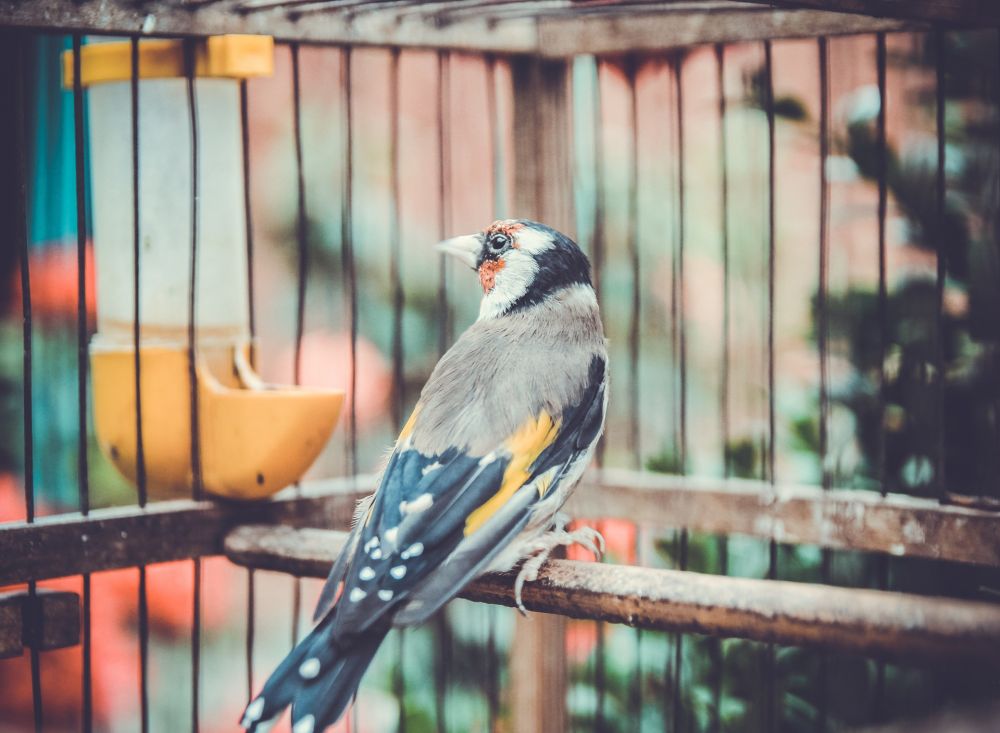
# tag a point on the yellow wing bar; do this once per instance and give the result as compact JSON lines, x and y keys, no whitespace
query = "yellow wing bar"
{"x":525,"y":445}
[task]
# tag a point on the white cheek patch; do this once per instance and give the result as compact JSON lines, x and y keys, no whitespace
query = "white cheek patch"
{"x":512,"y":282}
{"x":533,"y":241}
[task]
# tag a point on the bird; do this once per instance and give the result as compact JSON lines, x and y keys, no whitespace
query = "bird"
{"x":502,"y":431}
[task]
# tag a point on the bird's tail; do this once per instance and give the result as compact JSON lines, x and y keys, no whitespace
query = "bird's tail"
{"x":318,"y":678}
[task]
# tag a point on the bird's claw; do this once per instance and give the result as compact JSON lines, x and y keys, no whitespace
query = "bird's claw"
{"x":588,"y":537}
{"x":528,"y":572}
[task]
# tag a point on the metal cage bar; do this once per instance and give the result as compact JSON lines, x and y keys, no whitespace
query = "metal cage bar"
{"x":83,"y":473}
{"x":302,"y":274}
{"x":881,"y":64}
{"x":250,"y":638}
{"x":770,"y":668}
{"x":679,"y":323}
{"x":21,"y":234}
{"x":822,"y":337}
{"x":725,"y":365}
{"x":347,"y":250}
{"x":196,"y":467}
{"x":142,"y":599}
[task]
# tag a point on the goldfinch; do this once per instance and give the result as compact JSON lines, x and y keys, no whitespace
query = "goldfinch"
{"x":502,"y":432}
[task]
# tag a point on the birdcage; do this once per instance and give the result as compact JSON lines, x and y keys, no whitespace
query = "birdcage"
{"x":792,"y":217}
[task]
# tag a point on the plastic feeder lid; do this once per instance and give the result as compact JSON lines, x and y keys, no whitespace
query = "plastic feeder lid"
{"x":221,"y":57}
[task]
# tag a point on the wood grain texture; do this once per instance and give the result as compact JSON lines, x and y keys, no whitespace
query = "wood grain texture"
{"x":874,"y":623}
{"x":897,"y":524}
{"x":11,"y":637}
{"x":107,"y":539}
{"x":554,"y":28}
{"x":842,"y":519}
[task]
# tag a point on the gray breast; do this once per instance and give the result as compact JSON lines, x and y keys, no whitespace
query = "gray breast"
{"x":503,"y":371}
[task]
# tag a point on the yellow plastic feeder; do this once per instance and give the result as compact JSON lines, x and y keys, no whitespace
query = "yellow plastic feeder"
{"x":254,"y":438}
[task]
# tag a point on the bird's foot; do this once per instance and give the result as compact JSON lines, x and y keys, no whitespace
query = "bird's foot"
{"x":587,"y":537}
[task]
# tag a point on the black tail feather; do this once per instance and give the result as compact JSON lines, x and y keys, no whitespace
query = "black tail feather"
{"x":318,"y":678}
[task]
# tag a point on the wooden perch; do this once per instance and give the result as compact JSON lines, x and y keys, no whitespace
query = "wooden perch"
{"x":849,"y":519}
{"x":122,"y":537}
{"x":874,"y":623}
{"x":49,"y":621}
{"x":898,"y":525}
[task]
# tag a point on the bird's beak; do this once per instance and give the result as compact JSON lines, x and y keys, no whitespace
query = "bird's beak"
{"x":466,"y":248}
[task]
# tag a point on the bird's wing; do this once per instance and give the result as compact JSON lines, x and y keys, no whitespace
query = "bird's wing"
{"x":437,"y":520}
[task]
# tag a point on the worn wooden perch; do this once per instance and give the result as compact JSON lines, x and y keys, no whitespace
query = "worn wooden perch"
{"x":843,"y":519}
{"x":848,"y":519}
{"x":875,"y":623}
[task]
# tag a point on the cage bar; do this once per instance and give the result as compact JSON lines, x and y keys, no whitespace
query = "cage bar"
{"x":21,"y":234}
{"x":196,"y":483}
{"x":943,"y":248}
{"x":83,"y":474}
{"x":302,"y":274}
{"x":347,"y":251}
{"x":724,"y":397}
{"x":142,"y":600}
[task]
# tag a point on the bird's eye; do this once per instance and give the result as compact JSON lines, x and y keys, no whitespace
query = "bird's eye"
{"x":498,"y":242}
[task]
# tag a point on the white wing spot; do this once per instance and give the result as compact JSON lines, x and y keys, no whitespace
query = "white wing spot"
{"x":397,"y":572}
{"x":306,"y":725}
{"x":385,"y":595}
{"x":431,"y":467}
{"x":414,"y":550}
{"x":253,"y":712}
{"x":366,"y":573}
{"x":390,"y":534}
{"x":375,"y":554}
{"x":421,"y":503}
{"x":357,"y":595}
{"x":265,"y":726}
{"x":309,"y":669}
{"x":373,"y":542}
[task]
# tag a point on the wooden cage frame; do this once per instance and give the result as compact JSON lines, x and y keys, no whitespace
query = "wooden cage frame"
{"x":538,"y":38}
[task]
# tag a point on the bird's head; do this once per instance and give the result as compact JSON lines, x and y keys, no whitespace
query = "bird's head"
{"x":520,"y":263}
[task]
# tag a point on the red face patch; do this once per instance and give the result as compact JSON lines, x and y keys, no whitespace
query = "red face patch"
{"x":488,"y":273}
{"x":505,"y":226}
